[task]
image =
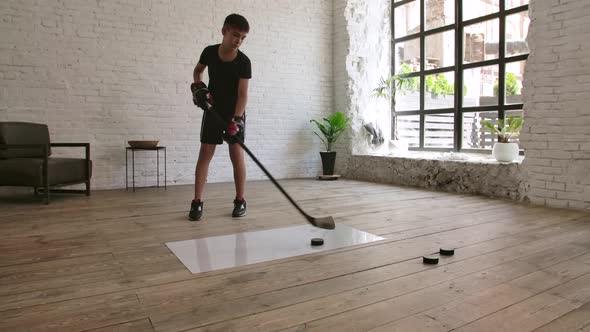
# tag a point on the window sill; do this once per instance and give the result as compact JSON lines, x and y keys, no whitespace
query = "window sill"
{"x":475,"y":158}
{"x":464,"y":173}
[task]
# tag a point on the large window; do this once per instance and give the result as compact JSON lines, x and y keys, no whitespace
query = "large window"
{"x":466,"y":61}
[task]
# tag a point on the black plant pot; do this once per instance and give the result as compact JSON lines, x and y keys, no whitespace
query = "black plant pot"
{"x":328,"y":161}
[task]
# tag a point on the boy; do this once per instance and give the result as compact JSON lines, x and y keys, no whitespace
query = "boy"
{"x":229,"y":71}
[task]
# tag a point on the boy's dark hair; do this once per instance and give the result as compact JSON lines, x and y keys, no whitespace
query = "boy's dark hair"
{"x":237,"y":21}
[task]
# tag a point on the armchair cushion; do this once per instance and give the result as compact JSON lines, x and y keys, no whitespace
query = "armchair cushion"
{"x":23,"y":133}
{"x":29,"y":171}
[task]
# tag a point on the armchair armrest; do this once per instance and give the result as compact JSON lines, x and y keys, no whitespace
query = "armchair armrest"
{"x":85,"y":145}
{"x":70,"y":144}
{"x":87,"y":157}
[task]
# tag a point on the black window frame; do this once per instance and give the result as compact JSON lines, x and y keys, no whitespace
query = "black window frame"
{"x":458,"y":110}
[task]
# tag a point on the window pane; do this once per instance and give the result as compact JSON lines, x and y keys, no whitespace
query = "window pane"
{"x":407,"y":19}
{"x":407,"y":56}
{"x":440,"y":91}
{"x":409,"y":129}
{"x":474,"y":137}
{"x":408,"y":97}
{"x":513,"y":85}
{"x":481,"y":41}
{"x":479,"y":86}
{"x":517,"y":28}
{"x":439,"y":13}
{"x":439,"y":129}
{"x":477,"y":8}
{"x":440,"y":50}
{"x":513,"y":113}
{"x":515,"y":3}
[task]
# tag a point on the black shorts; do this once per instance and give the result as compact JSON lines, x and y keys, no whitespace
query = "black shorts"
{"x":212,"y":129}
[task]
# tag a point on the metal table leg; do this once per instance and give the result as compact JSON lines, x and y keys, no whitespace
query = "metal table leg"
{"x":158,"y":167}
{"x":133,"y":168}
{"x":164,"y":168}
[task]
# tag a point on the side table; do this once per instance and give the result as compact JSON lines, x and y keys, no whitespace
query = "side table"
{"x":157,"y":149}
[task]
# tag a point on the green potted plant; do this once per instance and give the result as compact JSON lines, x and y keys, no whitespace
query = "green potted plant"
{"x":503,"y":150}
{"x":330,"y":129}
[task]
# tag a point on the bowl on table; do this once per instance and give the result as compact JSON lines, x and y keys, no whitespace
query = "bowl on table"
{"x":143,"y":144}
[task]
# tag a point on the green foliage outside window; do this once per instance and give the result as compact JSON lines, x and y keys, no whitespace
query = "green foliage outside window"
{"x":512,"y":88}
{"x":413,"y":83}
{"x":438,"y":85}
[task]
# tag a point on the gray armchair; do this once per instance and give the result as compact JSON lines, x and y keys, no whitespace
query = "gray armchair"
{"x":25,"y":160}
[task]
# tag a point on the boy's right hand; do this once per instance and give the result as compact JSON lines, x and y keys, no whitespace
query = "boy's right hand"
{"x":201,"y":95}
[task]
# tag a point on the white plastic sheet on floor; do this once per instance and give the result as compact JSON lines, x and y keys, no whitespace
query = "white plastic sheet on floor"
{"x":226,"y":251}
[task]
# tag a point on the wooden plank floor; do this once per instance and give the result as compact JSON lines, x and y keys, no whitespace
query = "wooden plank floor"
{"x":100,"y":263}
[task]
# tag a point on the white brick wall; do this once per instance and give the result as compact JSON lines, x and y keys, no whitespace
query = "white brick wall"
{"x":556,"y":131}
{"x":109,"y":71}
{"x":341,"y":81}
{"x":368,"y":60}
{"x":361,"y":58}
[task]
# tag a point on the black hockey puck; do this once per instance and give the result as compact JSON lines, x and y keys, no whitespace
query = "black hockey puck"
{"x":317,"y":241}
{"x":430,"y":260}
{"x":447,"y":251}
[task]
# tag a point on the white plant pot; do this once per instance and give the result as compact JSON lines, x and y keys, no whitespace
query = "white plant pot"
{"x":505,"y":152}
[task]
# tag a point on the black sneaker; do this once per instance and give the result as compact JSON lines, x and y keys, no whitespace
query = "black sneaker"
{"x":196,"y":211}
{"x":239,"y":208}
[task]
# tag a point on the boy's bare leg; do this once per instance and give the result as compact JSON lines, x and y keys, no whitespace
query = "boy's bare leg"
{"x":236,"y":154}
{"x":205,"y":155}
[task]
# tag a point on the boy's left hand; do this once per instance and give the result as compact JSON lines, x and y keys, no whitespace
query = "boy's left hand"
{"x":235,"y":127}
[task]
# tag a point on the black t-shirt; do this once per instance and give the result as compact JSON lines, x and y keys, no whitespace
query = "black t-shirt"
{"x":224,"y":77}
